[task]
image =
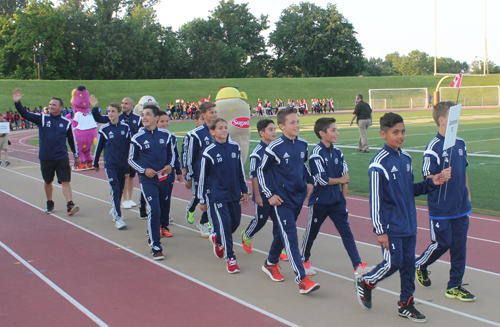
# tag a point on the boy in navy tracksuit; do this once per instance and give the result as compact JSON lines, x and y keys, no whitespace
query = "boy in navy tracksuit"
{"x":267,"y":132}
{"x":115,"y":137}
{"x":221,"y":183}
{"x":151,"y":156}
{"x":449,"y":216}
{"x":328,"y":199}
{"x":200,"y":138}
{"x":185,"y":147}
{"x":165,"y":211}
{"x":394,"y":217}
{"x":282,"y":175}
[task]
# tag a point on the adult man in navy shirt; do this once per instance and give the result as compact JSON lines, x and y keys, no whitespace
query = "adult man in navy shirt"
{"x":53,"y":129}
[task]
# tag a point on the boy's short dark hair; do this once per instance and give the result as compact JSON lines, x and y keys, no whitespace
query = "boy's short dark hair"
{"x":388,"y":121}
{"x":282,"y":114}
{"x":197,"y":114}
{"x":442,"y":109}
{"x":58,"y":99}
{"x":263,"y":123}
{"x":323,"y":124}
{"x":214,"y":122}
{"x":162,"y":113}
{"x":205,"y":106}
{"x":153,"y":107}
{"x":116,"y":106}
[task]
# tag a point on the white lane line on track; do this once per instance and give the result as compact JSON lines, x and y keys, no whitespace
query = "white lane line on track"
{"x":263,"y":252}
{"x":229,"y":296}
{"x":65,"y":295}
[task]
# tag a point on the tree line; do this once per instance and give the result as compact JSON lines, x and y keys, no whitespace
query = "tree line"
{"x":122,"y":39}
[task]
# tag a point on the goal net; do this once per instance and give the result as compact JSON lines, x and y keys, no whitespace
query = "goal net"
{"x":476,"y":96}
{"x":398,"y":98}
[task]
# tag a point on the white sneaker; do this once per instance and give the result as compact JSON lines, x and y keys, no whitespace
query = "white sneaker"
{"x":132,"y":203}
{"x":126,"y":205}
{"x":362,"y":269}
{"x":120,"y":223}
{"x":112,"y":214}
{"x":205,"y":232}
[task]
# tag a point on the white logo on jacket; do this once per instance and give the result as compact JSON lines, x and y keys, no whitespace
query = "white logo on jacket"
{"x":233,"y":155}
{"x":286,"y":155}
{"x":460,"y":152}
{"x":302,"y":155}
{"x":162,"y":141}
{"x":336,"y":161}
{"x":394,"y":169}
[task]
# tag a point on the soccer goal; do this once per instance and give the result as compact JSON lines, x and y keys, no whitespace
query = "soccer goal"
{"x":398,"y":98}
{"x":472,"y":96}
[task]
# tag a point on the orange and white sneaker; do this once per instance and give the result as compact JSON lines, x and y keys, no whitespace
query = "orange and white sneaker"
{"x":307,"y":286}
{"x":273,"y":272}
{"x":283,"y":255}
{"x":361,"y":270}
{"x":165,"y":232}
{"x":232,"y":266}
{"x":309,"y":269}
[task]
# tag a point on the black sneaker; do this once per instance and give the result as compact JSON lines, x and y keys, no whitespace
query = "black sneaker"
{"x":364,"y":292}
{"x":460,"y":293}
{"x":7,"y":162}
{"x":423,"y":277}
{"x":157,"y":254}
{"x":72,"y":208}
{"x":142,"y":213}
{"x":50,"y":207}
{"x":408,"y":310}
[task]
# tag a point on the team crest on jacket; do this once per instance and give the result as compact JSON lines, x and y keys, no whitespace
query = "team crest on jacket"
{"x":336,"y":161}
{"x":123,"y":132}
{"x":48,"y":124}
{"x":134,"y":121}
{"x":233,"y":155}
{"x":111,"y":135}
{"x":61,"y":125}
{"x":162,"y":141}
{"x":460,"y":152}
{"x":302,"y":155}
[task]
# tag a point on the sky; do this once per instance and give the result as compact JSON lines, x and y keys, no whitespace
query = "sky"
{"x":383,"y":26}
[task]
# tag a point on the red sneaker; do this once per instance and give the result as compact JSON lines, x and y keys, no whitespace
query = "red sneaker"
{"x":218,"y":248}
{"x":90,"y":165}
{"x":283,"y":256}
{"x":307,"y":286}
{"x":232,"y":266}
{"x":165,"y":232}
{"x":273,"y":272}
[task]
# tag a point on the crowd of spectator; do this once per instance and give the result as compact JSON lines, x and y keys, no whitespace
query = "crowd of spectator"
{"x":301,"y":106}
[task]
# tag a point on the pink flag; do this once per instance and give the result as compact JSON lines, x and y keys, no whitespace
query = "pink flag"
{"x":457,"y":81}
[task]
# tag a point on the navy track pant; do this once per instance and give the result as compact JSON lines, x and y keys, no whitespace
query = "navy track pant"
{"x":285,"y":236}
{"x":260,"y":219}
{"x":338,"y":214}
{"x":116,"y":180}
{"x":226,"y":218}
{"x":194,"y":202}
{"x":400,"y":256}
{"x":154,"y":194}
{"x":447,"y":234}
{"x":165,"y":204}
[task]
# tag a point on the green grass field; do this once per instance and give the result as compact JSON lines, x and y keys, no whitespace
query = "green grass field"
{"x":478,"y":127}
{"x":342,"y":89}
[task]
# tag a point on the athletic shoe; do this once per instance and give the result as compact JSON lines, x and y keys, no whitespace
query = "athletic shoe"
{"x":273,"y":272}
{"x":205,"y":233}
{"x":7,"y":162}
{"x":361,"y":270}
{"x":283,"y":255}
{"x":112,"y":214}
{"x":364,"y":293}
{"x":408,"y":310}
{"x":157,"y":254}
{"x":120,"y":223}
{"x":143,"y":214}
{"x":209,"y":225}
{"x":82,"y":166}
{"x":460,"y":293}
{"x":247,"y":242}
{"x":0,"y":162}
{"x":232,"y":266}
{"x":72,"y":208}
{"x":423,"y":277}
{"x":50,"y":207}
{"x":189,"y":216}
{"x":132,"y":203}
{"x":307,"y":286}
{"x":90,"y":165}
{"x":309,"y":270}
{"x":126,"y":205}
{"x":218,"y":248}
{"x":165,"y":232}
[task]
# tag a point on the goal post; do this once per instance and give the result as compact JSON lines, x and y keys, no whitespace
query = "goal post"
{"x":472,"y":96}
{"x":399,"y":98}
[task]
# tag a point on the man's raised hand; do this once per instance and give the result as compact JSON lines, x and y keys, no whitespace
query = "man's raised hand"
{"x":17,"y":94}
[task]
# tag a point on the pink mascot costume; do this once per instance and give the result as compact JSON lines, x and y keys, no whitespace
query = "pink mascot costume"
{"x":84,"y":127}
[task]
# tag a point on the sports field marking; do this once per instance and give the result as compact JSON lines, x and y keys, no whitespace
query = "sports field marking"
{"x":251,"y":306}
{"x":56,"y":288}
{"x":257,"y":250}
